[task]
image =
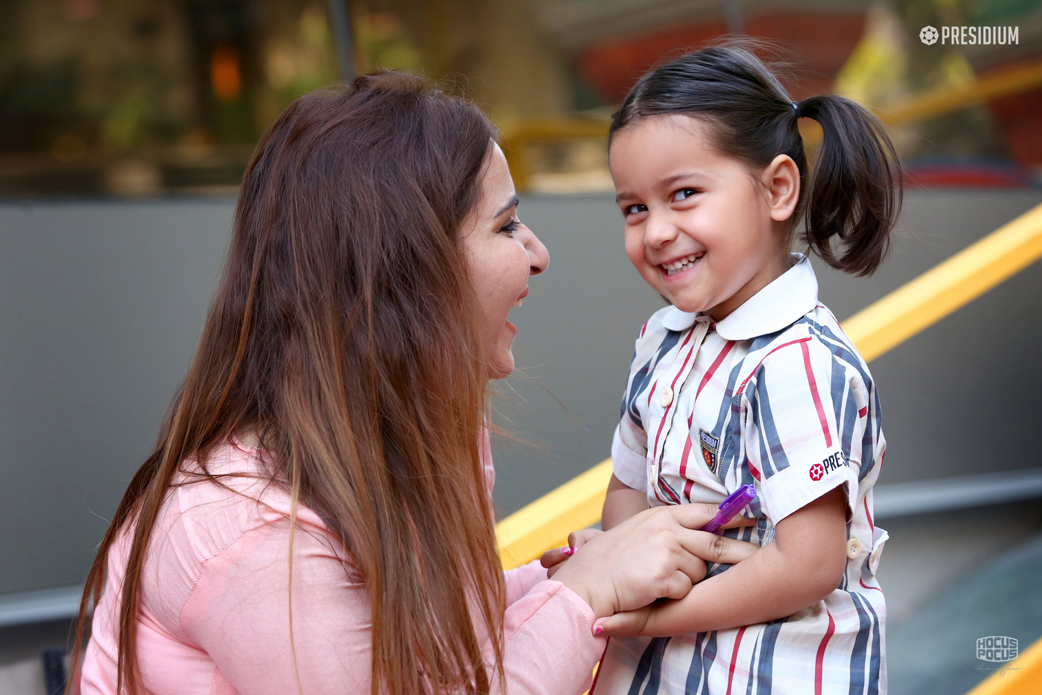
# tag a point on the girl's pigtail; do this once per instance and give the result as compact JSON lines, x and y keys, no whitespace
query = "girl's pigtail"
{"x":856,"y":189}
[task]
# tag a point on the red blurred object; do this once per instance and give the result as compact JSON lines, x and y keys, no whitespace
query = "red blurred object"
{"x":225,"y":74}
{"x":1017,"y":116}
{"x":818,"y":44}
{"x":945,"y":174}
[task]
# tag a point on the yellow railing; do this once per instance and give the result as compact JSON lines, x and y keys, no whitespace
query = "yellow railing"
{"x":887,"y":323}
{"x":517,"y":137}
{"x":946,"y":100}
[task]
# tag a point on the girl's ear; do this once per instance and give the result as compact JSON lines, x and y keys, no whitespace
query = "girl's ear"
{"x":782,"y":179}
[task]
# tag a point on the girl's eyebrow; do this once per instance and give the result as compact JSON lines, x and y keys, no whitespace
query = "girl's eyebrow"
{"x":512,"y":203}
{"x":696,"y":176}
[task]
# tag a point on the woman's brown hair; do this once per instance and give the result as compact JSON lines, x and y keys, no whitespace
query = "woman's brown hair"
{"x":852,"y":199}
{"x":344,"y":334}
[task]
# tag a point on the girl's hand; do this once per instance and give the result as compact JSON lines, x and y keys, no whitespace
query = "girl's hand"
{"x":628,"y":623}
{"x":552,"y":559}
{"x":652,"y":555}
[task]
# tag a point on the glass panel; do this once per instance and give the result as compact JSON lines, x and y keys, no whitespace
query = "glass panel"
{"x":128,"y":97}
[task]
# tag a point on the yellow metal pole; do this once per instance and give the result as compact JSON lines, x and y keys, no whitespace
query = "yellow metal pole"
{"x":949,"y":286}
{"x":942,"y":101}
{"x":546,"y":523}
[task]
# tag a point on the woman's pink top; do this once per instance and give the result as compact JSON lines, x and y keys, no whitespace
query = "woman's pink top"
{"x":214,"y":614}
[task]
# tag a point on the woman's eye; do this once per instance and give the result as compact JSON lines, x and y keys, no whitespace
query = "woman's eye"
{"x":635,"y":209}
{"x":511,"y":226}
{"x":683,"y":193}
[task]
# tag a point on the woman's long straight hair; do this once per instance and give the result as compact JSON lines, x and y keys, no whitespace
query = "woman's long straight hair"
{"x":345,"y":335}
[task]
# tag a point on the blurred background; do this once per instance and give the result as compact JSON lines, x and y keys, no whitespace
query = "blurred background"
{"x":125,"y":127}
{"x":131,"y":98}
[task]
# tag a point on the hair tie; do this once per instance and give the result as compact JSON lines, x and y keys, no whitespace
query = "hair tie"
{"x":796,"y":108}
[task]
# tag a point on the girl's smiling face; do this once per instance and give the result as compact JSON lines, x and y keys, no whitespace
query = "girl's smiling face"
{"x":501,"y":254}
{"x":701,"y":229}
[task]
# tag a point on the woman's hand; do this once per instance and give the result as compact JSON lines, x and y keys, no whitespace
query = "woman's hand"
{"x":552,"y":559}
{"x":655,"y":554}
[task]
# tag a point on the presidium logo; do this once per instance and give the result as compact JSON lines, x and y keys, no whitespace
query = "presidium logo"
{"x":971,"y":36}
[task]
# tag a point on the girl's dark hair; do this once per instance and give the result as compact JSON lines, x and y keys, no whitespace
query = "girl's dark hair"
{"x":855,"y":191}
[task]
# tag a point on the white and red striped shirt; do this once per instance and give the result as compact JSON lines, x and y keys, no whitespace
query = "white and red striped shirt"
{"x":774,"y":395}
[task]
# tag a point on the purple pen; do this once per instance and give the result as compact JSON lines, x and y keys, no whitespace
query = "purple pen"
{"x":729,"y":508}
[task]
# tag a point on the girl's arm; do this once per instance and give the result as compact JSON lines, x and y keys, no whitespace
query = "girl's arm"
{"x":804,"y":564}
{"x":621,"y":503}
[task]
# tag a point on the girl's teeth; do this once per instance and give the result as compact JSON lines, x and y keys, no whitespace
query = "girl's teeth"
{"x":518,"y":303}
{"x":682,"y":264}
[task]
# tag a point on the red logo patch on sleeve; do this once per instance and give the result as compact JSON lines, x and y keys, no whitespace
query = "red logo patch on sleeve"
{"x":817,"y":471}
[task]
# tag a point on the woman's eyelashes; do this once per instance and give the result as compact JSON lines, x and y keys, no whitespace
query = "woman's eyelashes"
{"x":511,"y":226}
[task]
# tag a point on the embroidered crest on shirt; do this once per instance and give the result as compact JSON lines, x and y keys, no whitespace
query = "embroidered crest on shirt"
{"x":710,"y":446}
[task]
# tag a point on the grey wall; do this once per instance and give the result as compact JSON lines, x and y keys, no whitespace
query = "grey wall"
{"x":101,"y":304}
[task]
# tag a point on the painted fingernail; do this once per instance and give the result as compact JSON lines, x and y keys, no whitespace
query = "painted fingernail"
{"x":567,"y":551}
{"x":571,"y":550}
{"x":597,"y":630}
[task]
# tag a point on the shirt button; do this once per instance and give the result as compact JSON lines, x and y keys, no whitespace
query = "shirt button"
{"x":854,"y":549}
{"x":666,"y":397}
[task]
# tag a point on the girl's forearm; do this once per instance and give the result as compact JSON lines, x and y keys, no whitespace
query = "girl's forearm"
{"x":803,"y":566}
{"x":621,"y":503}
{"x":739,"y":596}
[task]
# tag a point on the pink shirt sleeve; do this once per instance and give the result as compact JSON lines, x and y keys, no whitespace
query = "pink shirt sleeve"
{"x":521,"y":580}
{"x":238,"y":613}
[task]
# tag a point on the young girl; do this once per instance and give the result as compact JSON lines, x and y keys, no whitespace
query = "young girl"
{"x":748,"y":379}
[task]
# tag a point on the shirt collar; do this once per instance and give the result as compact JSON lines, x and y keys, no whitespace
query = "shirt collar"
{"x":779,"y":304}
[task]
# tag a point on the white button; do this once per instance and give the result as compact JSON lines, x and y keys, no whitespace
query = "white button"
{"x":666,"y":397}
{"x":853,"y":548}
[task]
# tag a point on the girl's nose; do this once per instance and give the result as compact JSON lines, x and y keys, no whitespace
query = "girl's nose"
{"x":538,"y":256}
{"x":658,"y":231}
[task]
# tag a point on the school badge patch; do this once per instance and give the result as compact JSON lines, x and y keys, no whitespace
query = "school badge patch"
{"x":710,"y":447}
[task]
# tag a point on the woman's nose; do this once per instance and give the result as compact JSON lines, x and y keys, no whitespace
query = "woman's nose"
{"x":538,"y":256}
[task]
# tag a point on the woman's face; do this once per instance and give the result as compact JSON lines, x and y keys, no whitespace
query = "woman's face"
{"x":501,"y":254}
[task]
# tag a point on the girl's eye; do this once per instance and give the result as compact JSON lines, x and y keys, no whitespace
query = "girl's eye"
{"x":683,"y":193}
{"x":511,"y":226}
{"x":635,"y":209}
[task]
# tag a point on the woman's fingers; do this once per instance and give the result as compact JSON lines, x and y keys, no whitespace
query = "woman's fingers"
{"x":625,"y":624}
{"x":739,"y":522}
{"x":652,"y":555}
{"x":713,"y":548}
{"x":679,"y":585}
{"x":555,"y":556}
{"x":577,"y":539}
{"x":696,"y":515}
{"x":691,"y":566}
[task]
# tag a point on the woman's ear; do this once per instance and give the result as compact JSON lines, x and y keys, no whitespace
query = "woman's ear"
{"x":781,"y":178}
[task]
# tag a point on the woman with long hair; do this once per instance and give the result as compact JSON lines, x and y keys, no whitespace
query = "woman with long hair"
{"x":316,"y":514}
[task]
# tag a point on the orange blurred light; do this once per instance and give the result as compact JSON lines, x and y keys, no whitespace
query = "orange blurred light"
{"x":225,"y":75}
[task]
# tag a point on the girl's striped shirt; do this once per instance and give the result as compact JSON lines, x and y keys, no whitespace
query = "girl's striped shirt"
{"x":775,"y":395}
